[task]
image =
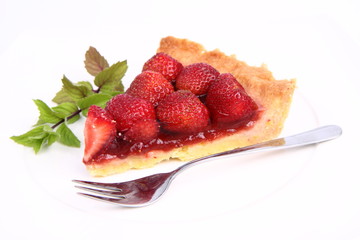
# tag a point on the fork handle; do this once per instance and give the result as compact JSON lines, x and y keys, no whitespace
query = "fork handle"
{"x":316,"y":135}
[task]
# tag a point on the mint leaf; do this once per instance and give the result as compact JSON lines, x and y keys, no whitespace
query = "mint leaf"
{"x":94,"y":62}
{"x":71,"y":92}
{"x":47,"y":115}
{"x":66,"y":109}
{"x":66,"y":136}
{"x":37,"y":138}
{"x":62,"y":96}
{"x":110,"y":92}
{"x":110,"y":78}
{"x":73,"y":99}
{"x":96,"y":99}
{"x":86,"y":87}
{"x":76,"y":91}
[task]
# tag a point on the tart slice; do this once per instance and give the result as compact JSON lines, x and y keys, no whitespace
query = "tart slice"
{"x":186,"y":103}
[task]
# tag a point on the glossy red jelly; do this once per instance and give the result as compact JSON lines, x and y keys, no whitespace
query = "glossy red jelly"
{"x":121,"y":148}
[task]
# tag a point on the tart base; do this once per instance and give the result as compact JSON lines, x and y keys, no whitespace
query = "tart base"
{"x":274,"y":97}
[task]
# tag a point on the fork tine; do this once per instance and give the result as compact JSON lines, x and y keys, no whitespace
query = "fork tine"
{"x":108,"y":186}
{"x":103,"y":199}
{"x":110,"y":193}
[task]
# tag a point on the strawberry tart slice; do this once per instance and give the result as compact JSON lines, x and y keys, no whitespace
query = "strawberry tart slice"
{"x":186,"y":103}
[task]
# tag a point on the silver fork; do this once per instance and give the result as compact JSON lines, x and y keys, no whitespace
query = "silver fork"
{"x":145,"y":191}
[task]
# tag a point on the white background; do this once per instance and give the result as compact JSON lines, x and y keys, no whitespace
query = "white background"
{"x":317,"y":42}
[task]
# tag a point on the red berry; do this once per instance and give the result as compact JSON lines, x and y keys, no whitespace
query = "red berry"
{"x":182,"y":112}
{"x":228,"y":102}
{"x":151,"y":86}
{"x":164,"y":64}
{"x":127,"y":109}
{"x":226,"y":82}
{"x":143,"y":131}
{"x":196,"y":78}
{"x":100,"y":129}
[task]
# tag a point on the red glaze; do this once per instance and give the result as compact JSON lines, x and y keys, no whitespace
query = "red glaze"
{"x":121,"y":148}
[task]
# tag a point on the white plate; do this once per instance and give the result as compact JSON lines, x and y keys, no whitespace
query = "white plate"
{"x":206,"y":190}
{"x":307,"y":193}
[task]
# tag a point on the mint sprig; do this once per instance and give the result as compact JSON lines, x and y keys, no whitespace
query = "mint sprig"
{"x":73,"y":100}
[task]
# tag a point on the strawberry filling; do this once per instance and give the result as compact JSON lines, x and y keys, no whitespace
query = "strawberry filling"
{"x":120,"y":148}
{"x":157,"y":112}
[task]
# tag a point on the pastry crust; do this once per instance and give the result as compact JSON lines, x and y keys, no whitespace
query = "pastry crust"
{"x":274,"y":97}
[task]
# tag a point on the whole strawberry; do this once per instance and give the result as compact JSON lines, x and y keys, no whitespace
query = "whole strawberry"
{"x":127,"y":109}
{"x":226,"y":82}
{"x":164,"y":64}
{"x":196,"y":78}
{"x":143,"y":130}
{"x":151,"y":86}
{"x":228,"y":102}
{"x":182,"y":112}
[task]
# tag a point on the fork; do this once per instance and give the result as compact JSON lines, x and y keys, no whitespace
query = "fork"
{"x":146,"y":190}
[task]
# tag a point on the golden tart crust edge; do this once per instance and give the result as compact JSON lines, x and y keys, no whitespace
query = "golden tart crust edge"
{"x":274,"y":97}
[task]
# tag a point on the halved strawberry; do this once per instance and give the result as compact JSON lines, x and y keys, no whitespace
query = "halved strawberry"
{"x":164,"y":64}
{"x":100,"y":129}
{"x":182,"y":112}
{"x":196,"y":78}
{"x":151,"y":86}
